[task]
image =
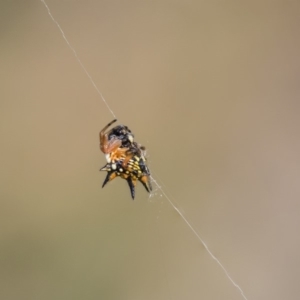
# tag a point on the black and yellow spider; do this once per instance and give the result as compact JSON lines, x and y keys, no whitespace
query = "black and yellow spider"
{"x":125,"y":157}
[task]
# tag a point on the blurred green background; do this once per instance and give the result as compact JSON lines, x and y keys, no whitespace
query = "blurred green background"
{"x":211,"y":88}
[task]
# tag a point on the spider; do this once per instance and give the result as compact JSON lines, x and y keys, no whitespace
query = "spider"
{"x":125,"y":158}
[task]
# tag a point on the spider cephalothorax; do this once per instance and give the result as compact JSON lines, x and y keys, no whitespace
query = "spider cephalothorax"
{"x":122,"y":133}
{"x":125,"y":158}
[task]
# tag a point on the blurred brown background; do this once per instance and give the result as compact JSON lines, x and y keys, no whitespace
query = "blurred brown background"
{"x":211,"y":88}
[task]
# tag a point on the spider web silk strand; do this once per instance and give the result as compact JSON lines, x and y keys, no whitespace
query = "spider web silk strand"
{"x":200,"y":239}
{"x":78,"y":59}
{"x":159,"y":187}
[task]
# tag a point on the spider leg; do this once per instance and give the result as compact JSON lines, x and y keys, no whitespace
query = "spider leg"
{"x":119,"y":154}
{"x":102,"y":132}
{"x":106,"y":127}
{"x":106,"y":145}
